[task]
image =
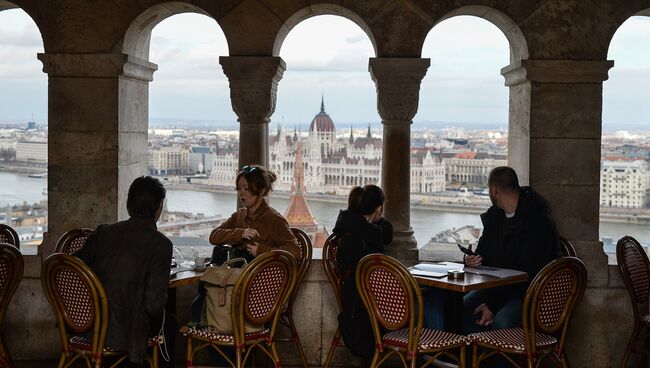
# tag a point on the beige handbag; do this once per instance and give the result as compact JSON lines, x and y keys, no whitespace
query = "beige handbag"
{"x":219,"y":282}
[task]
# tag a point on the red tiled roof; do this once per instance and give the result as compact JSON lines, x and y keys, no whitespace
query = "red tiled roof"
{"x":469,"y":155}
{"x":298,"y":213}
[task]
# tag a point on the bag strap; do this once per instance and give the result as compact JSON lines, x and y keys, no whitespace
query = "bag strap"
{"x":235,"y":260}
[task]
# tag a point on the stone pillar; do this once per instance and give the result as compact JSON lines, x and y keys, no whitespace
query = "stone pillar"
{"x":398,"y":88}
{"x":98,"y":119}
{"x":253,"y":91}
{"x":555,"y":129}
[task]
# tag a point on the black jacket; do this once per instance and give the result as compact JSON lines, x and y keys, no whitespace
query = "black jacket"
{"x":132,"y":260}
{"x":530,"y":243}
{"x":358,"y":238}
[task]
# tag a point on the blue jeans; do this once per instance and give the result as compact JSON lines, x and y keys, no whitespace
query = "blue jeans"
{"x":507,"y":317}
{"x":434,"y":308}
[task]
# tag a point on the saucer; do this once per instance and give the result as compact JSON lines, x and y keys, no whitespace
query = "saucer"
{"x":199,"y":268}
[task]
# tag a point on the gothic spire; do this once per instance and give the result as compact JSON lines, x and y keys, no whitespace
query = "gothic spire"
{"x":369,"y":135}
{"x":351,"y":135}
{"x":322,"y":102}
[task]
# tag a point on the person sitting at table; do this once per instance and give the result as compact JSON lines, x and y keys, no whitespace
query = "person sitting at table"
{"x":518,"y":233}
{"x":132,"y":260}
{"x":362,"y":230}
{"x":255,"y":228}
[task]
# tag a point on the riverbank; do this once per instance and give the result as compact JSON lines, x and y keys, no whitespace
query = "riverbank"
{"x":22,"y":168}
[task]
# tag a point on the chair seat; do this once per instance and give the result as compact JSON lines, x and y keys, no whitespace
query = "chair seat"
{"x":430,"y":339}
{"x":646,"y":319}
{"x":212,"y":335}
{"x":81,"y":343}
{"x":511,"y":339}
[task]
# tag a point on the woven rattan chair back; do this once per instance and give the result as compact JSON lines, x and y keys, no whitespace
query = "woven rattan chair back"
{"x":635,"y":270}
{"x":72,"y":240}
{"x":11,"y":272}
{"x":77,"y":298}
{"x":387,"y":290}
{"x":551,"y":299}
{"x":9,"y":236}
{"x":262,"y":290}
{"x":331,"y":267}
{"x":306,"y":250}
{"x":567,"y":249}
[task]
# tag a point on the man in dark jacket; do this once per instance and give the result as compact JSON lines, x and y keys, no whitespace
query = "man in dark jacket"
{"x":132,"y":259}
{"x":518,"y":233}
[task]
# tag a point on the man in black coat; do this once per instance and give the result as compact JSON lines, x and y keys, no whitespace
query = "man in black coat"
{"x":133,"y":259}
{"x":518,"y":233}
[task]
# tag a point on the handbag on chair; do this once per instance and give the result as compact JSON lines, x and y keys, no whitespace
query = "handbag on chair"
{"x":219,"y":282}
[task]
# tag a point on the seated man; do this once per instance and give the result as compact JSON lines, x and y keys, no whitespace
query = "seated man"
{"x":518,"y":233}
{"x":132,"y":260}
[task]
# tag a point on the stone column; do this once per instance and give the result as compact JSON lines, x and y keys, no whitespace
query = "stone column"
{"x":555,"y":132}
{"x":398,"y":87}
{"x":98,"y":119}
{"x":253,"y":91}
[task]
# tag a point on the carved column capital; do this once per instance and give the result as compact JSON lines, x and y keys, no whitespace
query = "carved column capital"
{"x":97,"y":65}
{"x":556,"y":71}
{"x":253,"y":85}
{"x":398,"y":87}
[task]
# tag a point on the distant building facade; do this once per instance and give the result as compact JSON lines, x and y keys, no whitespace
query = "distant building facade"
{"x":624,"y":183}
{"x":472,"y":168}
{"x":169,"y":161}
{"x":31,"y":151}
{"x":331,"y":165}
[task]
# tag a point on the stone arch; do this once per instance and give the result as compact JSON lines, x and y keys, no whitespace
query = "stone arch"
{"x":137,"y":38}
{"x":644,"y":12}
{"x":514,"y":34}
{"x":315,"y":10}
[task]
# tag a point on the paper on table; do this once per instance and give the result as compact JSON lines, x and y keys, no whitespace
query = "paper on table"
{"x":494,"y":272}
{"x":417,"y":272}
{"x":443,"y":267}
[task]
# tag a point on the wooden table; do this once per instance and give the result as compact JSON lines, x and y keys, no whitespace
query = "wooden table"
{"x":184,"y":278}
{"x":456,"y":289}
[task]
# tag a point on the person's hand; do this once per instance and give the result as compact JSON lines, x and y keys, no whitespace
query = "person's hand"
{"x":252,"y":248}
{"x":485,"y":315}
{"x":473,"y":261}
{"x":249,"y":234}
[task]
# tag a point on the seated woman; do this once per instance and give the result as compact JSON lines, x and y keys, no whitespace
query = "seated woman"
{"x":362,"y":230}
{"x":255,"y":228}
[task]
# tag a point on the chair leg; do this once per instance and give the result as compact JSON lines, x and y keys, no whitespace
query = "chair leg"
{"x":565,"y":361}
{"x":276,"y":356}
{"x":463,"y":350}
{"x":154,"y":358}
{"x":630,"y":345}
{"x":61,"y":360}
{"x":375,"y":358}
{"x":475,"y":356}
{"x":238,"y":357}
{"x":296,"y":339}
{"x":188,"y":357}
{"x":335,"y":342}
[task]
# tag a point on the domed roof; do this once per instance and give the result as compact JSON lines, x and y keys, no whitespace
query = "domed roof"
{"x":322,"y":122}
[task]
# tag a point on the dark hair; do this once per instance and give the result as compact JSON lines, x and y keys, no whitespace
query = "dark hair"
{"x":145,"y":195}
{"x":504,"y":178}
{"x":366,"y":200}
{"x":260,"y":180}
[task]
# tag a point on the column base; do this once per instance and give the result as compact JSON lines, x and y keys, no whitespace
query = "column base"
{"x":404,"y":247}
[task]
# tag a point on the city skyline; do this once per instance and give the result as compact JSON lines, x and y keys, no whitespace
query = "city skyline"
{"x":463,"y":84}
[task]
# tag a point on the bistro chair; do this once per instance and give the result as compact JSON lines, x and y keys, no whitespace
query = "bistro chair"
{"x":394,"y":302}
{"x":260,"y":293}
{"x":635,"y":269}
{"x":567,"y":249}
{"x":11,"y":271}
{"x":331,"y":267}
{"x":81,"y":308}
{"x":72,"y":240}
{"x":546,"y":312}
{"x":9,"y":236}
{"x":286,"y":318}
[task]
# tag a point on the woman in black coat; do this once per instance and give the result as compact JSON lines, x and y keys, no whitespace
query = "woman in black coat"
{"x":361,"y":230}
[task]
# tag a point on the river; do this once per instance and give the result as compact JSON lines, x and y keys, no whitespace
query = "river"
{"x":18,"y":188}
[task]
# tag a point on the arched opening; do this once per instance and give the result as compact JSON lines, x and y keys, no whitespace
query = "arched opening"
{"x":624,"y":169}
{"x":192,"y":130}
{"x":325,"y":103}
{"x":460,"y":132}
{"x":23,"y":128}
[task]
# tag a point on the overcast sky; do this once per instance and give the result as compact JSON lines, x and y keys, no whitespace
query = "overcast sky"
{"x":326,"y":54}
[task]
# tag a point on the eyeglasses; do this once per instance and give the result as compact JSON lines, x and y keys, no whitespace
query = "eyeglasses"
{"x":248,"y":169}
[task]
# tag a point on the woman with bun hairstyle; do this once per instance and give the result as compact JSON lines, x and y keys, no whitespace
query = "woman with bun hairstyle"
{"x":256,"y":227}
{"x":361,"y":230}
